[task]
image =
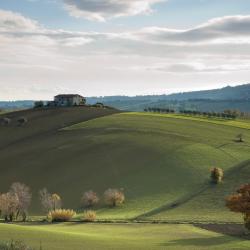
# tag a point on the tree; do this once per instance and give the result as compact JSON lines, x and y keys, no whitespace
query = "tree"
{"x":8,"y":206}
{"x":56,"y":201}
{"x":39,"y":104}
{"x":216,"y":175}
{"x":114,"y":197}
{"x":240,"y":138}
{"x":49,"y":201}
{"x":240,"y":203}
{"x":89,"y":199}
{"x":23,"y":194}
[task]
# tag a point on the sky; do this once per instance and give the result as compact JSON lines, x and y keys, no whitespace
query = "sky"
{"x":121,"y":47}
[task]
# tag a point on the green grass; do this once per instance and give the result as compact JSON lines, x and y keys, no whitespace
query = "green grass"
{"x":159,"y":160}
{"x":130,"y":236}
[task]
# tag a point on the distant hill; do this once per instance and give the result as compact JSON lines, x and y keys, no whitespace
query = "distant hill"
{"x":207,"y":100}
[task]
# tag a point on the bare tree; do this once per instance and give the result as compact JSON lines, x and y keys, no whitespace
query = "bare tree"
{"x":114,"y":197}
{"x":23,"y":194}
{"x":8,"y":206}
{"x":89,"y":199}
{"x":49,"y":201}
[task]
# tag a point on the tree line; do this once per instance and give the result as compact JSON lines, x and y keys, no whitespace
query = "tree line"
{"x":15,"y":203}
{"x":226,"y":114}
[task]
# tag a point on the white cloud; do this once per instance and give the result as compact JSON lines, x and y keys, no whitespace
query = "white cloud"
{"x":100,"y":10}
{"x":10,"y":21}
{"x":93,"y":63}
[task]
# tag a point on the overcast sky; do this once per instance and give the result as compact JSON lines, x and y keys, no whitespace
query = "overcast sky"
{"x":121,"y":47}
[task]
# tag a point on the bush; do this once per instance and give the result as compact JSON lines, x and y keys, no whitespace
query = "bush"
{"x":39,"y":104}
{"x":89,"y":216}
{"x":6,"y":121}
{"x":114,"y":197}
{"x":99,"y":105}
{"x":239,"y":138}
{"x":216,"y":175}
{"x":22,"y":121}
{"x":89,"y":199}
{"x":14,"y":245}
{"x":61,"y":215}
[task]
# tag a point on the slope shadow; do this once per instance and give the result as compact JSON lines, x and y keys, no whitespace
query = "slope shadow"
{"x":200,"y":242}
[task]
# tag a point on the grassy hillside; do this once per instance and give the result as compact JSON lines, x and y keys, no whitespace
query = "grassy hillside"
{"x":159,"y":160}
{"x":131,"y":236}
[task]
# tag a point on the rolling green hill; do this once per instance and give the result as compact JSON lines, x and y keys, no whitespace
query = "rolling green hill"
{"x":161,"y":161}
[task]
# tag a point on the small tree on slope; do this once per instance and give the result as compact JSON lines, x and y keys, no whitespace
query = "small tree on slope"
{"x":216,"y":175}
{"x":240,"y":203}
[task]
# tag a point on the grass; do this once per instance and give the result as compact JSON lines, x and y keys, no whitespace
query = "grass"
{"x":130,"y":236}
{"x":159,"y":160}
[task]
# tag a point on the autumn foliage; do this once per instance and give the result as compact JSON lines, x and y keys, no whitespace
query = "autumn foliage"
{"x":216,"y":175}
{"x":89,"y":216}
{"x":61,"y":215}
{"x":240,"y":203}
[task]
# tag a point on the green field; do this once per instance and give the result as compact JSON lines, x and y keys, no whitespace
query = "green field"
{"x":162,"y":162}
{"x":131,"y":236}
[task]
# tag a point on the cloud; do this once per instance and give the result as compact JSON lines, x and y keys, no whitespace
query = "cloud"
{"x":226,"y":29}
{"x":100,"y":10}
{"x":155,"y":59}
{"x":10,"y":21}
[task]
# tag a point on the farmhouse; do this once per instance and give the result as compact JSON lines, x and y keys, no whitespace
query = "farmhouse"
{"x":69,"y":100}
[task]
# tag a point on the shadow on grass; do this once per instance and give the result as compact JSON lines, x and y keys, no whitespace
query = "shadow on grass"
{"x":196,"y":242}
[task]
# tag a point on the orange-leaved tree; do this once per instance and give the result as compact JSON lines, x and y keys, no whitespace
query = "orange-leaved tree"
{"x":240,"y":203}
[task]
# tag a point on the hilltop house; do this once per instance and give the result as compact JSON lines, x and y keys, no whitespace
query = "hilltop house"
{"x":68,"y":100}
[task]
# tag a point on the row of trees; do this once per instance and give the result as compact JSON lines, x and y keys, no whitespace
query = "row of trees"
{"x":112,"y":198}
{"x":227,"y":114}
{"x":160,"y":110}
{"x":15,"y":203}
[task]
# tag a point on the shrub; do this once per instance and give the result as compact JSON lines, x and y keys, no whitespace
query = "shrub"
{"x":240,"y":203}
{"x":39,"y":104}
{"x":99,"y":105}
{"x":61,"y":215}
{"x":239,"y":138}
{"x":89,"y":199}
{"x":89,"y":216}
{"x":22,"y":121}
{"x":6,"y":121}
{"x":216,"y":175}
{"x":114,"y":197}
{"x":14,"y":245}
